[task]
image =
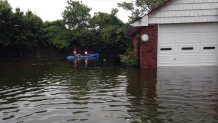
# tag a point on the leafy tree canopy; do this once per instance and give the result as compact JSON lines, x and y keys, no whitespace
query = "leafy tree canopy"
{"x":57,"y":35}
{"x":103,"y":33}
{"x":139,"y":8}
{"x":5,"y":22}
{"x":102,"y":20}
{"x":76,"y":14}
{"x":18,"y":28}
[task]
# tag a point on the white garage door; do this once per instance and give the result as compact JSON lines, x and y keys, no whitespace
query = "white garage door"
{"x":188,"y":44}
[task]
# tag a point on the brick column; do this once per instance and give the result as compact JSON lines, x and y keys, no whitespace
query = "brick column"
{"x":148,"y":50}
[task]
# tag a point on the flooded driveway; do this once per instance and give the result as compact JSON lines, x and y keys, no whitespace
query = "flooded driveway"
{"x":177,"y":94}
{"x":93,"y":92}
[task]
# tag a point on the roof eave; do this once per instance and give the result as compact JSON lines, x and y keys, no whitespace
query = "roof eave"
{"x":136,"y":25}
{"x":144,"y":20}
{"x":159,"y":7}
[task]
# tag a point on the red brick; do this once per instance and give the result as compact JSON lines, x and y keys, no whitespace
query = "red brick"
{"x":148,"y":50}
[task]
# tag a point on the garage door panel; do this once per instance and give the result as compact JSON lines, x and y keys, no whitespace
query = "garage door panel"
{"x":209,"y":37}
{"x":209,"y":43}
{"x":187,"y":38}
{"x":191,"y":45}
{"x":185,"y":59}
{"x":166,"y":60}
{"x":167,"y":39}
{"x":166,"y":55}
{"x":208,"y":58}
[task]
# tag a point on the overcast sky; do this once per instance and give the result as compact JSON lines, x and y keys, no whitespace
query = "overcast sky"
{"x":51,"y":9}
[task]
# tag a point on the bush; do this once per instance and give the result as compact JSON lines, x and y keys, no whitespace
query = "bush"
{"x":128,"y":60}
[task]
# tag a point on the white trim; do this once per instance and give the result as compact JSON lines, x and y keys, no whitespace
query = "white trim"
{"x":158,"y":39}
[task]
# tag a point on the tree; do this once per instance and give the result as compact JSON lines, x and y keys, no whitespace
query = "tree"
{"x":102,"y":20}
{"x":30,"y":29}
{"x":57,"y":35}
{"x":76,"y":15}
{"x":111,"y":40}
{"x":18,"y":28}
{"x":18,"y":31}
{"x":114,"y":11}
{"x":139,"y":8}
{"x":25,"y":31}
{"x":6,"y":26}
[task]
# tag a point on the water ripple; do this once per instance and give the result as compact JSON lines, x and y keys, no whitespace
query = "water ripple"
{"x":59,"y":92}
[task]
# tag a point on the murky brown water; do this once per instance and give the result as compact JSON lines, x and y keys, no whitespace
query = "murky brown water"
{"x":65,"y":92}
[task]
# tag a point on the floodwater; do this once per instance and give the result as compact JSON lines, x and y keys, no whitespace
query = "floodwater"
{"x":60,"y":91}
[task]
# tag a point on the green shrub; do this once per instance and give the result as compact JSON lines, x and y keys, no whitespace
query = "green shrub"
{"x":128,"y":60}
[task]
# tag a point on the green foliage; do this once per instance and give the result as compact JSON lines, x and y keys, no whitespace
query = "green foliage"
{"x":84,"y":38}
{"x":104,"y":33}
{"x":76,"y":15}
{"x":5,"y":23}
{"x":57,"y":35}
{"x":58,"y":23}
{"x":128,"y":60}
{"x":110,"y":33}
{"x":113,"y":41}
{"x":102,"y":20}
{"x":139,"y":8}
{"x":28,"y":30}
{"x":114,"y":11}
{"x":23,"y":30}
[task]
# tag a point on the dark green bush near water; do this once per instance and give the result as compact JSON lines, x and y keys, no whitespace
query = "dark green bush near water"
{"x":129,"y":59}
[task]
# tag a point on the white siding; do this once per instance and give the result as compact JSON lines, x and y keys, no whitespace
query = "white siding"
{"x":186,"y":11}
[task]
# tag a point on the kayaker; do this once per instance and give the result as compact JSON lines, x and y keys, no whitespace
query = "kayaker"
{"x":74,"y":52}
{"x":86,"y":53}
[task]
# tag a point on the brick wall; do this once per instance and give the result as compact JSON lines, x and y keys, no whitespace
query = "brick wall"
{"x":148,"y":50}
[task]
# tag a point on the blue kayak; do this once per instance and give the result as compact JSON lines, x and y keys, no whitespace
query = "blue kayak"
{"x":90,"y":56}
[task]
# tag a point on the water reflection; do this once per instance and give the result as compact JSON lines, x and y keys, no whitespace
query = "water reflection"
{"x":142,"y":95}
{"x":188,"y":94}
{"x":142,"y":81}
{"x":85,"y":62}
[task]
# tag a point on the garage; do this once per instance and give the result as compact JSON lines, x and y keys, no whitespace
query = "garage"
{"x":188,"y":44}
{"x":180,"y":33}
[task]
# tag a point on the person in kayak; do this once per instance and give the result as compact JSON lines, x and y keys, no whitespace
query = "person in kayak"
{"x":74,"y":52}
{"x":86,"y":53}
